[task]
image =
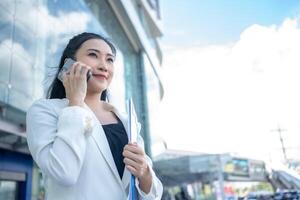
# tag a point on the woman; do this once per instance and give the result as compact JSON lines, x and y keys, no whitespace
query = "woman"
{"x":78,"y":140}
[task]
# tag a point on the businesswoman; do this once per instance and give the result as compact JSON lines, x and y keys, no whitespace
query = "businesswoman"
{"x":79,"y":140}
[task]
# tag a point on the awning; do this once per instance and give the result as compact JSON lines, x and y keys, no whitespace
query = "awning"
{"x":13,"y":137}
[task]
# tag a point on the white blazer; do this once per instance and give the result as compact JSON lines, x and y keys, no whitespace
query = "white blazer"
{"x":70,"y":147}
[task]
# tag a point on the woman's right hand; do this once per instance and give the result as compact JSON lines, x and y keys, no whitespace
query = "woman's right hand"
{"x":75,"y":84}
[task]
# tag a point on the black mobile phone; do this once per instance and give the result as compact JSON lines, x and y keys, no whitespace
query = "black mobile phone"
{"x":68,"y":63}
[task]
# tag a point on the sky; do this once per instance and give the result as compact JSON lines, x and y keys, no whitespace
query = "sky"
{"x":231,"y":74}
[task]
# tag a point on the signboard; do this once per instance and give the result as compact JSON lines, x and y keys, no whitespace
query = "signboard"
{"x":237,"y":167}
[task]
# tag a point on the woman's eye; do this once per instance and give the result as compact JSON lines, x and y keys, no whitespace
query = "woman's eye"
{"x":93,"y":54}
{"x":110,"y":60}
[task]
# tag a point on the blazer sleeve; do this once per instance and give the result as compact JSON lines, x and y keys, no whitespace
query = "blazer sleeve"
{"x":57,"y":142}
{"x":156,"y":190}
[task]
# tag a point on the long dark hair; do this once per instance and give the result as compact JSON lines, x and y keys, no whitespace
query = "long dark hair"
{"x":57,"y":89}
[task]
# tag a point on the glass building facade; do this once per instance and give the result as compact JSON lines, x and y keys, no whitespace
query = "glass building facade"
{"x":33,"y":34}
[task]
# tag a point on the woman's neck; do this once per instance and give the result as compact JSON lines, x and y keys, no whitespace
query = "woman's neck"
{"x":93,"y":100}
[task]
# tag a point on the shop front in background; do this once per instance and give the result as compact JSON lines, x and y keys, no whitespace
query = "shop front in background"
{"x":15,"y":175}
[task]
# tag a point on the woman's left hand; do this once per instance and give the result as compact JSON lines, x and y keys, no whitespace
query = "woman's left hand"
{"x":135,"y":160}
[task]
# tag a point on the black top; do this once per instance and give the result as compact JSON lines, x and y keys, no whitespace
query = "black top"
{"x":117,"y":138}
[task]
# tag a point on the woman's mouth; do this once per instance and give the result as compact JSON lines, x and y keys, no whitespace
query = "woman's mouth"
{"x":100,"y":76}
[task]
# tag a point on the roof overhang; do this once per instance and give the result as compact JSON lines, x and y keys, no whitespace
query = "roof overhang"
{"x":202,"y":168}
{"x":13,"y":137}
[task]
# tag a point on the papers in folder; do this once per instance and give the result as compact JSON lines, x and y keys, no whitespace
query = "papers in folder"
{"x":132,"y":122}
{"x":132,"y":137}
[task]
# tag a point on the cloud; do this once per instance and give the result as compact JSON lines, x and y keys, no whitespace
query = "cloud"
{"x":16,"y":74}
{"x":64,"y":23}
{"x":22,"y":76}
{"x":38,"y":19}
{"x":178,"y":33}
{"x":228,"y":98}
{"x":39,"y":30}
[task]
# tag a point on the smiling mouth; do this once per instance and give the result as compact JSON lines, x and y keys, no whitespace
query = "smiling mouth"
{"x":99,"y":76}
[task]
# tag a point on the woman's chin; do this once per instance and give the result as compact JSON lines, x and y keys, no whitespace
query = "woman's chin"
{"x":97,"y":88}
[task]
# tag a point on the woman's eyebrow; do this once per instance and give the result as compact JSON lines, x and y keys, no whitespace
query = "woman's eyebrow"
{"x":98,"y":51}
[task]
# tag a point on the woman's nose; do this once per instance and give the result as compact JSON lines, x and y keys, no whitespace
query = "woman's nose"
{"x":102,"y":67}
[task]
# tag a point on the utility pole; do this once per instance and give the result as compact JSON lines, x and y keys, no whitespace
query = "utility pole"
{"x":279,"y":130}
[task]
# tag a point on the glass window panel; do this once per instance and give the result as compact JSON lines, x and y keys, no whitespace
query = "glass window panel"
{"x":117,"y":92}
{"x":5,"y":63}
{"x":57,"y":7}
{"x":7,"y":5}
{"x":55,"y":47}
{"x":68,"y":17}
{"x":29,"y":9}
{"x":21,"y":75}
{"x":94,"y":27}
{"x":153,"y":99}
{"x":39,"y":60}
{"x":19,"y":99}
{"x":3,"y":93}
{"x":63,"y":24}
{"x":8,"y":190}
{"x":38,"y":90}
{"x":109,"y":22}
{"x":27,"y":3}
{"x":25,"y":42}
{"x":6,"y":21}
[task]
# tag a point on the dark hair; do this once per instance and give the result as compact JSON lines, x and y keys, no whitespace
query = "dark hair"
{"x":57,"y":89}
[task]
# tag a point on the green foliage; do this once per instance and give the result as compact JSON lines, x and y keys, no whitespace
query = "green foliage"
{"x":262,"y":186}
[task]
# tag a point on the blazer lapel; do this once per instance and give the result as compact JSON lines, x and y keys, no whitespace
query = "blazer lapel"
{"x":100,"y":138}
{"x":126,"y":173}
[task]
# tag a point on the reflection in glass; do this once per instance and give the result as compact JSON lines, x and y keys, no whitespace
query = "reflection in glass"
{"x":19,"y":99}
{"x":57,"y":7}
{"x":153,"y":87}
{"x":25,"y":42}
{"x":29,"y":9}
{"x":38,"y":79}
{"x":7,"y":5}
{"x":153,"y":100}
{"x":5,"y":61}
{"x":117,"y":92}
{"x":3,"y":93}
{"x":8,"y":190}
{"x":21,"y":75}
{"x":6,"y":20}
{"x":66,"y":19}
{"x":55,"y":46}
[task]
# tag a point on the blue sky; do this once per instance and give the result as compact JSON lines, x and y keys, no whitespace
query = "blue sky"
{"x":202,"y":22}
{"x":225,"y":62}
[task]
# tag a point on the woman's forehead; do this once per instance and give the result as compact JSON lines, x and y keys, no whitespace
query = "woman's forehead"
{"x":97,"y":44}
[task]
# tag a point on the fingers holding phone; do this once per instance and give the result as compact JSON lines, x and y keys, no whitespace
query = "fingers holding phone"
{"x":67,"y":67}
{"x":74,"y":81}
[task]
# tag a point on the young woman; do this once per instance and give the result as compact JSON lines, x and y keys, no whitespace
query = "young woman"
{"x":79,"y":140}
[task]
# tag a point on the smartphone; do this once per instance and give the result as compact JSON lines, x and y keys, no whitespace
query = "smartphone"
{"x":68,"y":63}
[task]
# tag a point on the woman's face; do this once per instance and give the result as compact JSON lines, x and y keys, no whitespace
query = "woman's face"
{"x":98,"y":55}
